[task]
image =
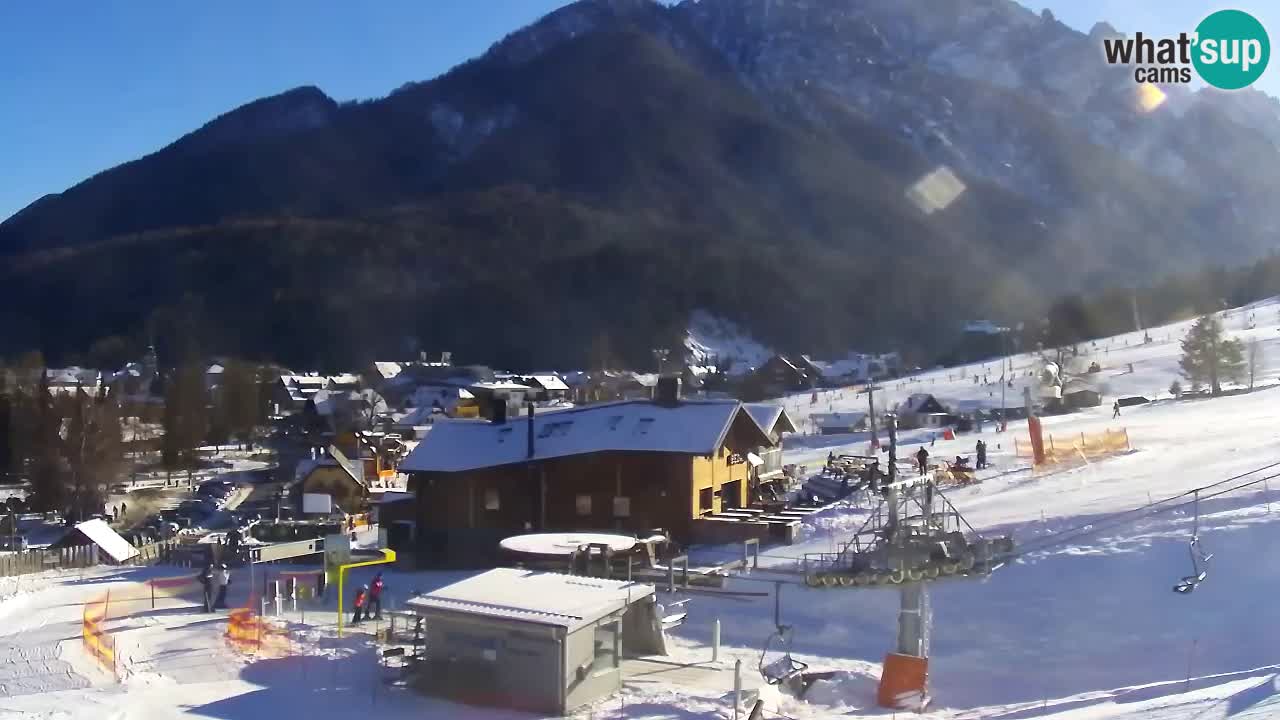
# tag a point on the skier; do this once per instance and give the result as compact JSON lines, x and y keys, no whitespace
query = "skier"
{"x":981,"y":452}
{"x":831,"y":458}
{"x":206,"y":582}
{"x":922,"y":459}
{"x":375,"y":597}
{"x":1115,"y":410}
{"x":221,"y":579}
{"x":359,"y":605}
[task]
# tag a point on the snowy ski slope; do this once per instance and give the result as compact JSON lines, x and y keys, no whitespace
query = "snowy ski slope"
{"x":1084,"y":627}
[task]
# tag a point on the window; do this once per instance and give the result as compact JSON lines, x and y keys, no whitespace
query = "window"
{"x":622,"y":507}
{"x":491,"y":500}
{"x":583,"y":503}
{"x":559,"y":429}
{"x":705,"y":500}
{"x":606,"y":648}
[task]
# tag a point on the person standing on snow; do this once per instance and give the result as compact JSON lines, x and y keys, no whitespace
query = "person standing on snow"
{"x":206,"y":582}
{"x":375,"y":597}
{"x":359,"y":605}
{"x":922,"y":460}
{"x":1115,"y":410}
{"x":221,"y":579}
{"x":981,"y":451}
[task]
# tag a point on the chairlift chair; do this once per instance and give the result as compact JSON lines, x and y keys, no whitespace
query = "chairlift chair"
{"x":783,"y":667}
{"x":1199,"y":560}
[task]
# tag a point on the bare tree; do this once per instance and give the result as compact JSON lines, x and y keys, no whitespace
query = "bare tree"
{"x":1253,"y":359}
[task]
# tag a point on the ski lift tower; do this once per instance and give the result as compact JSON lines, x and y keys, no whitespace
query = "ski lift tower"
{"x":913,"y":537}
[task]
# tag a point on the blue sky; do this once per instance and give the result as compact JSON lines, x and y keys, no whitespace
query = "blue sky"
{"x":85,"y":86}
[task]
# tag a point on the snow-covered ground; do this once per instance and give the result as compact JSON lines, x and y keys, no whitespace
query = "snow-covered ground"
{"x":1084,"y":626}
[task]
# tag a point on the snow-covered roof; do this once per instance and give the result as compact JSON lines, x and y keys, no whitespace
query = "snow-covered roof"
{"x":694,"y":427}
{"x":215,"y":369}
{"x":543,"y":598}
{"x":503,"y":385}
{"x":846,"y":419}
{"x":915,"y":402}
{"x":100,"y":533}
{"x":549,"y":382}
{"x":985,"y":327}
{"x":72,"y":376}
{"x":390,"y":496}
{"x":388,"y":370}
{"x":852,"y":366}
{"x":1075,"y":385}
{"x":771,"y":418}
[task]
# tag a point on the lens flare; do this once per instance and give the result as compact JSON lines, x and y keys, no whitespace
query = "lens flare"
{"x":936,"y":190}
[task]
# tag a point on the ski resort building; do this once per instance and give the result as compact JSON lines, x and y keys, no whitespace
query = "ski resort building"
{"x":535,"y":641}
{"x":631,"y":466}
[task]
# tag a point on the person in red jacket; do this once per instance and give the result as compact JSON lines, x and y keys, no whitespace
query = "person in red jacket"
{"x":359,"y":605}
{"x":375,"y":597}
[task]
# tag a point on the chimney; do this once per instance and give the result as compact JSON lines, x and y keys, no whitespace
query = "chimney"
{"x":667,"y":392}
{"x":530,"y":406}
{"x":499,"y":409}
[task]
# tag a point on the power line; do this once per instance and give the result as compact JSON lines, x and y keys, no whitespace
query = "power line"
{"x":1142,"y":512}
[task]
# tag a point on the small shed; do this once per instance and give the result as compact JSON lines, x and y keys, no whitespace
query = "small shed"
{"x":111,"y":547}
{"x":536,"y":641}
{"x":839,"y":423}
{"x":1077,"y":393}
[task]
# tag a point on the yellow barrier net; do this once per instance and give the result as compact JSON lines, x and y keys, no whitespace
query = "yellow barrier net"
{"x":97,"y":641}
{"x":250,"y":633}
{"x":1073,"y":447}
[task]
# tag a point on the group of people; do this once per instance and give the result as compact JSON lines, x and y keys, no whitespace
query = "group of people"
{"x":214,"y":580}
{"x":980,"y":450}
{"x":117,"y":512}
{"x":368,"y":602}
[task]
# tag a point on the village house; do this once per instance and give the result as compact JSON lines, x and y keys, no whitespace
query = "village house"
{"x":775,"y":421}
{"x":335,"y":475}
{"x":291,"y":392}
{"x":631,"y":466}
{"x":779,"y":376}
{"x":547,"y":387}
{"x":921,"y":410}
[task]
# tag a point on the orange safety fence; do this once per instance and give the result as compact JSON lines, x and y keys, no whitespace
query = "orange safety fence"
{"x":250,"y":633}
{"x":1069,"y":447}
{"x":97,"y":641}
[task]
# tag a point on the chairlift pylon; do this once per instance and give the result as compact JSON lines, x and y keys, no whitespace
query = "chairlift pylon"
{"x":1199,"y":560}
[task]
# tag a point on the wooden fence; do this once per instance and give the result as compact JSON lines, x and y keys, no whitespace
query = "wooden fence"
{"x":78,"y":556}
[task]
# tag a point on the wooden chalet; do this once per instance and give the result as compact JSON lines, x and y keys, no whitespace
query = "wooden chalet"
{"x":630,"y":466}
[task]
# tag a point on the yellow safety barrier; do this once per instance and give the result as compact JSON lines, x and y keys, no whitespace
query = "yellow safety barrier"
{"x":1070,"y":447}
{"x":250,"y":633}
{"x":97,"y":641}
